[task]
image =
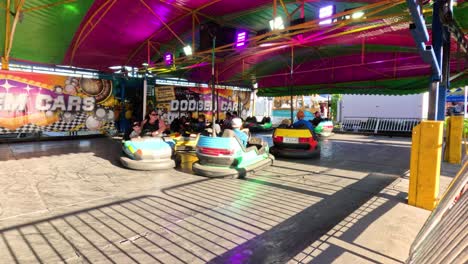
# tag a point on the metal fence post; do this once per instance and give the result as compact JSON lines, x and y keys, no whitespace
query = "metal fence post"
{"x":376,"y":130}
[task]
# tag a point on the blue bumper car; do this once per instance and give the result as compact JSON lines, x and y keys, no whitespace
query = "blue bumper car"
{"x":148,"y":153}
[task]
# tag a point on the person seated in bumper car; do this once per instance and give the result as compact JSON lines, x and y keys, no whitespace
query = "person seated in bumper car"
{"x":236,"y":127}
{"x":136,"y":132}
{"x":153,"y":125}
{"x":301,"y":123}
{"x":317,"y":119}
{"x":285,"y":123}
{"x":200,"y":125}
{"x":227,"y":121}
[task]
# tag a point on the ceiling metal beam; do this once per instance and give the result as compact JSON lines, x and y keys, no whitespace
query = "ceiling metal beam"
{"x":5,"y":59}
{"x":10,"y":32}
{"x":89,"y":23}
{"x":194,"y":14}
{"x":130,"y":57}
{"x":162,"y":21}
{"x":333,"y":68}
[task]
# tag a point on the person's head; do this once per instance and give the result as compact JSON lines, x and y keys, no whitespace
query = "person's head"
{"x":228,"y":115}
{"x":189,"y":114}
{"x":286,"y":122}
{"x":136,"y":126}
{"x":236,"y":123}
{"x":234,"y":114}
{"x":300,"y":115}
{"x":217,"y":128}
{"x":201,"y":118}
{"x":153,"y":115}
{"x":183,"y":119}
{"x":317,"y":114}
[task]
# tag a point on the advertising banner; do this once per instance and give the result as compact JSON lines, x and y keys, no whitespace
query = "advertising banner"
{"x":33,"y":102}
{"x":177,"y":101}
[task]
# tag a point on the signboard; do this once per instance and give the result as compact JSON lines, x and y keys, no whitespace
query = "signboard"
{"x":165,"y":93}
{"x":32,"y":102}
{"x":456,"y":95}
{"x":177,"y":101}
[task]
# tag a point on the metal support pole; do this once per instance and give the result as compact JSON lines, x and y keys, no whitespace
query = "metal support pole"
{"x":254,"y":96}
{"x":465,"y":102}
{"x":145,"y":91}
{"x":217,"y":104}
{"x":213,"y":119}
{"x":5,"y":59}
{"x":437,"y":91}
{"x":445,"y":85}
{"x":122,"y":99}
{"x":291,"y":84}
{"x":433,"y":99}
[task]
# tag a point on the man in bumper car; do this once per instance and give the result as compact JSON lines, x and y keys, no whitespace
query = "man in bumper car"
{"x":236,"y":127}
{"x":301,"y":123}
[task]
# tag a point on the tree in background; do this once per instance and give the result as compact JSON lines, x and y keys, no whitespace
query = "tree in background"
{"x":335,"y":99}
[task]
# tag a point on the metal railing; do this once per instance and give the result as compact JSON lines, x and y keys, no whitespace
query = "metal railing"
{"x":378,"y":125}
{"x":444,"y":236}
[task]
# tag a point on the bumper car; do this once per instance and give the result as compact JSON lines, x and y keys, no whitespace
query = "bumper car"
{"x":294,"y":143}
{"x":185,"y":141}
{"x":324,"y":129}
{"x":226,"y":156}
{"x":148,"y":153}
{"x":263,"y":126}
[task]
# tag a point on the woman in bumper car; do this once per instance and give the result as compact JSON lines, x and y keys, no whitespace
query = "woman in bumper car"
{"x":153,"y":125}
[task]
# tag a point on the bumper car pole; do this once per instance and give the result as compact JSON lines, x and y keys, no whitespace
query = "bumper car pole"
{"x":213,"y":118}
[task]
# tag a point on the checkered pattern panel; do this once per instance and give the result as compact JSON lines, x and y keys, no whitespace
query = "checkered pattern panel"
{"x":77,"y":123}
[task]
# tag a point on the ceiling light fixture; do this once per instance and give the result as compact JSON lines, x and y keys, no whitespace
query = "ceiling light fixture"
{"x":188,"y":50}
{"x":277,"y":23}
{"x":357,"y":15}
{"x":325,"y":12}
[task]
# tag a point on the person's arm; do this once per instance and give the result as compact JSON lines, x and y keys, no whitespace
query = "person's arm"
{"x":162,"y":126}
{"x":134,"y":134}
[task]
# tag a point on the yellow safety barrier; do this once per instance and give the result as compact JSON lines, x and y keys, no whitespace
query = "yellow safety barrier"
{"x":426,"y":155}
{"x":453,"y":150}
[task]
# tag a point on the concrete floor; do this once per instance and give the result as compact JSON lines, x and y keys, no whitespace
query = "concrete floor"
{"x":72,"y":202}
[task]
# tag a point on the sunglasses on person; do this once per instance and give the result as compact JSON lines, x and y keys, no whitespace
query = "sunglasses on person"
{"x":153,"y":114}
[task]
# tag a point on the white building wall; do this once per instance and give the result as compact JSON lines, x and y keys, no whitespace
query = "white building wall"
{"x":406,"y":106}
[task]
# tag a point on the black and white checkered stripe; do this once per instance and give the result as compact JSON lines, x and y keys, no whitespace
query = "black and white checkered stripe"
{"x":78,"y":123}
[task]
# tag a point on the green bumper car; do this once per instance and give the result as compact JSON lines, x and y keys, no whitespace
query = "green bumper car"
{"x":226,"y":156}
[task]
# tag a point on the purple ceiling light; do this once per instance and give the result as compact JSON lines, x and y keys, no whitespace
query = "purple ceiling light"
{"x":168,"y":58}
{"x":326,"y":11}
{"x":241,"y":39}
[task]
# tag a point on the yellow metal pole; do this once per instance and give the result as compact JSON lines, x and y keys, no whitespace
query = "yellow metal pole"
{"x":285,"y":9}
{"x":274,"y":9}
{"x":426,"y":154}
{"x":19,"y":6}
{"x":453,"y":151}
{"x":5,"y":59}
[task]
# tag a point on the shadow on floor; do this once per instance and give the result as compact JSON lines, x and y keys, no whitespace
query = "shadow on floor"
{"x":210,"y":220}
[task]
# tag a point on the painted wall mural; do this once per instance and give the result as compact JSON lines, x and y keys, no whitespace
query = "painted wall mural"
{"x":33,"y":102}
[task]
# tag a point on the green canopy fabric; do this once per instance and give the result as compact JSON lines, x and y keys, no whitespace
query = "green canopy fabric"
{"x":402,"y":86}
